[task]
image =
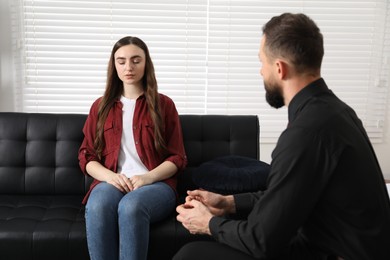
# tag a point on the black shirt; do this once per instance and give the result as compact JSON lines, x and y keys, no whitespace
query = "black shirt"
{"x":326,"y":194}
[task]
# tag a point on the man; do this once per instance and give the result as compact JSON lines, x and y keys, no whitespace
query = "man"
{"x":326,"y":195}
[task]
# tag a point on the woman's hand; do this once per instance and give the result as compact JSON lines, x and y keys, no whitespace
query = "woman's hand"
{"x":121,"y":182}
{"x":101,"y":173}
{"x":124,"y":184}
{"x":138,"y":181}
{"x":162,"y":172}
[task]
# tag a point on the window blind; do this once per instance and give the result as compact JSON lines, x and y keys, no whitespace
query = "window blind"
{"x":204,"y":52}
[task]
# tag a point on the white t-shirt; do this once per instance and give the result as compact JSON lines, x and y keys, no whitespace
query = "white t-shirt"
{"x":129,"y":162}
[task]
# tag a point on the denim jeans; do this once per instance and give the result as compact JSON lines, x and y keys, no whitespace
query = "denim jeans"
{"x":118,"y":224}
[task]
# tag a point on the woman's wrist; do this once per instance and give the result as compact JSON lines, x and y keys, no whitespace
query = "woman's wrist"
{"x":98,"y":171}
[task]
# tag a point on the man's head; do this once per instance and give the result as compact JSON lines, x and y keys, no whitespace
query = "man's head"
{"x":296,"y":38}
{"x":295,"y":41}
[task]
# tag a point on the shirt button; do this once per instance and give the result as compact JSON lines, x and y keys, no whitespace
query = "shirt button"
{"x":136,"y":142}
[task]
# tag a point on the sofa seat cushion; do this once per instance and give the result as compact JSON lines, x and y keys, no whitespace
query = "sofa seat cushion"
{"x":29,"y":225}
{"x":232,"y":174}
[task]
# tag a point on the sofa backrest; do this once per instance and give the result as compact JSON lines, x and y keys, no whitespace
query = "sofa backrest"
{"x":39,"y":152}
{"x":207,"y":137}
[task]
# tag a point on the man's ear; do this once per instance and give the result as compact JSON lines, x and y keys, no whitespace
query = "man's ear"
{"x":282,"y":69}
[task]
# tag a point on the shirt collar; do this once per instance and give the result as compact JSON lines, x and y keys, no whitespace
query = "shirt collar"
{"x":302,"y":97}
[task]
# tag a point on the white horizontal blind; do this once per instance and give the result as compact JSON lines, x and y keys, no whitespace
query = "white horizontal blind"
{"x":204,"y":51}
{"x":68,"y":44}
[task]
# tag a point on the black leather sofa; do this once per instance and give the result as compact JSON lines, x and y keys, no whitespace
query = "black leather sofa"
{"x":41,"y":185}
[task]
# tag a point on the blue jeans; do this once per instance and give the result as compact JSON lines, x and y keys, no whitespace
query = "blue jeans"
{"x":118,"y":224}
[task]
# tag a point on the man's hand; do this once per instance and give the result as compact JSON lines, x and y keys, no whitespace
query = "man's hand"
{"x":217,"y":204}
{"x":200,"y":207}
{"x":195,"y":217}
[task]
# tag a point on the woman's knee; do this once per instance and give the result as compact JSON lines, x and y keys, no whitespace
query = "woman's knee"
{"x":103,"y":198}
{"x":149,"y":203}
{"x":132,"y":207}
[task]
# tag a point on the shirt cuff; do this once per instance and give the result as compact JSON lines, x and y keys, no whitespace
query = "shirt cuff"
{"x":243,"y":202}
{"x":214,"y":226}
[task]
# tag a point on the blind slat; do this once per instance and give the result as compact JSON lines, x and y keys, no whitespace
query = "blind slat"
{"x":204,"y":52}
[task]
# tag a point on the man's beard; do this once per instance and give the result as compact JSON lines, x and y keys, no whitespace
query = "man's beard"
{"x":273,"y":95}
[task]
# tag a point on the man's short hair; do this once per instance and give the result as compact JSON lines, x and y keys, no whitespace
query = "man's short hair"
{"x":296,"y":38}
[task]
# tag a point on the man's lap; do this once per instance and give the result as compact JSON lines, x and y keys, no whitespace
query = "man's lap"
{"x":208,"y":250}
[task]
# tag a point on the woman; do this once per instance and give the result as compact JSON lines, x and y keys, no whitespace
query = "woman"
{"x":133,"y":148}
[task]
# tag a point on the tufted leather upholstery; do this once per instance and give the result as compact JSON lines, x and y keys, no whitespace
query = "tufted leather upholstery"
{"x":41,"y":185}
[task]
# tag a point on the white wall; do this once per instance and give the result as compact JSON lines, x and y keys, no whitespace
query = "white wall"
{"x":6,"y":71}
{"x":7,"y":92}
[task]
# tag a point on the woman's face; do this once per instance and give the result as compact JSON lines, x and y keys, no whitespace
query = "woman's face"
{"x":130,"y":64}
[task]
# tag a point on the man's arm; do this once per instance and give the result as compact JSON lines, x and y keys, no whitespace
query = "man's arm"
{"x":297,"y":179}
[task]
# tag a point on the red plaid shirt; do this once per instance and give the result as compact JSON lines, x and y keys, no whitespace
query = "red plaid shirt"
{"x":143,"y":130}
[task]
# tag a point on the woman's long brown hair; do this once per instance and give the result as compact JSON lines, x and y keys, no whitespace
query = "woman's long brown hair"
{"x":114,"y":89}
